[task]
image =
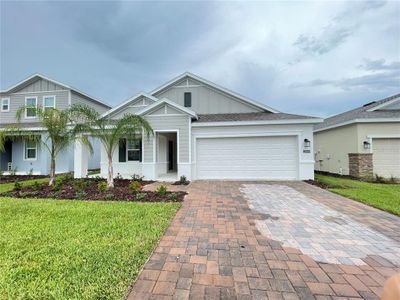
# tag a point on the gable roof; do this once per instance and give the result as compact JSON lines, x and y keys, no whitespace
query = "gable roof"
{"x":370,"y":112}
{"x":169,"y":102}
{"x":219,"y":88}
{"x":256,"y":116}
{"x":37,"y":76}
{"x":129,"y":101}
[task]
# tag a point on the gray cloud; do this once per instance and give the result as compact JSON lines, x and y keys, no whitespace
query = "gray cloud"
{"x":379,"y":65}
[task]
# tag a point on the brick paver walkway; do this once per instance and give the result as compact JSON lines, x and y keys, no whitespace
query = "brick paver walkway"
{"x":213,"y":250}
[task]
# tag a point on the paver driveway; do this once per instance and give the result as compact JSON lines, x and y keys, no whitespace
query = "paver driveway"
{"x":290,"y":240}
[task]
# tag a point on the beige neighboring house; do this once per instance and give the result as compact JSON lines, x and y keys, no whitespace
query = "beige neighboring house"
{"x":361,"y":142}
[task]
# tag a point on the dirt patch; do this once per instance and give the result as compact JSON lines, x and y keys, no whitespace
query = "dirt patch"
{"x":14,"y":178}
{"x":94,"y":189}
{"x":317,"y":183}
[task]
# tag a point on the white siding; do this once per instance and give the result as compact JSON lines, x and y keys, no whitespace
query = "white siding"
{"x":386,"y":157}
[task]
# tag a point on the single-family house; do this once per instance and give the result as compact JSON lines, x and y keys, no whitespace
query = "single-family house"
{"x":361,"y":142}
{"x":24,"y":156}
{"x":205,"y":131}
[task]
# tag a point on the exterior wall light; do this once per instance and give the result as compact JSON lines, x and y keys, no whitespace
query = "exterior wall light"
{"x":367,"y":145}
{"x":307,"y":143}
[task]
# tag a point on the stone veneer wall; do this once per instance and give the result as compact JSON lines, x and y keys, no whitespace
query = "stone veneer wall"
{"x":360,"y":165}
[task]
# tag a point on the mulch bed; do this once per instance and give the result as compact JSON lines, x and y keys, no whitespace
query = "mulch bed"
{"x":14,"y":178}
{"x":317,"y":183}
{"x":87,"y":189}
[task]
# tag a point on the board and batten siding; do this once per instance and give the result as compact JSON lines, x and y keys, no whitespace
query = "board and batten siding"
{"x":18,"y":99}
{"x":41,"y":85}
{"x":81,"y":99}
{"x":206,"y":100}
{"x":168,"y":122}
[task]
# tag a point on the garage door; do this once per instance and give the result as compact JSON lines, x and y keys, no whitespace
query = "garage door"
{"x":247,"y":158}
{"x":386,"y":157}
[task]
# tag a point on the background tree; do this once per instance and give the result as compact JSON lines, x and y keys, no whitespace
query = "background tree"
{"x":59,"y":132}
{"x":109,"y":131}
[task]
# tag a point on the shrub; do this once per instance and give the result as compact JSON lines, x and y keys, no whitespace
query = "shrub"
{"x":57,"y":184}
{"x":137,"y":177}
{"x":36,"y":186}
{"x":183,"y":180}
{"x":17,"y":186}
{"x":162,"y":190}
{"x":135,"y":186}
{"x":67,"y":177}
{"x":80,"y":184}
{"x":102,"y":186}
{"x":26,"y":194}
{"x":141,"y":196}
{"x":393,"y":179}
{"x":173,"y":196}
{"x":80,"y":195}
{"x":379,"y":179}
{"x":109,"y":196}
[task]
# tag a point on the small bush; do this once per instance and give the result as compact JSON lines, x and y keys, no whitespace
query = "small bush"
{"x":379,"y":179}
{"x":80,"y":184}
{"x":80,"y":195}
{"x":137,"y":177}
{"x":57,"y":185}
{"x":135,"y":186}
{"x":109,"y":197}
{"x":102,"y":186}
{"x":393,"y":179}
{"x":36,"y":186}
{"x":26,"y":194}
{"x":162,"y":190}
{"x":17,"y":186}
{"x":141,"y":196}
{"x":67,"y":177}
{"x":173,"y":196}
{"x":183,"y":180}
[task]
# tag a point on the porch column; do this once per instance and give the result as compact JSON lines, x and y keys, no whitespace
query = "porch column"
{"x":81,"y":158}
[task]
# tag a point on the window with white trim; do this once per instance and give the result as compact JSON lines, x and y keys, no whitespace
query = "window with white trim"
{"x":49,"y":102}
{"x":133,"y":149}
{"x":5,"y":104}
{"x":31,"y":106}
{"x":30,"y":150}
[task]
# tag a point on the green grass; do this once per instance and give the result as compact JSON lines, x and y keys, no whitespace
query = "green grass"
{"x":382,"y":196}
{"x":76,"y":249}
{"x":5,"y":187}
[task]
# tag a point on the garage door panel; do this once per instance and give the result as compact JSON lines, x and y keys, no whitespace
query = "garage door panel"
{"x":386,"y":157}
{"x":247,"y":158}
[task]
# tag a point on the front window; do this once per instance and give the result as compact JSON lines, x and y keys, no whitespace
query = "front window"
{"x":5,"y":104}
{"x":30,"y":150}
{"x":49,"y":102}
{"x":133,"y":149}
{"x":31,"y":105}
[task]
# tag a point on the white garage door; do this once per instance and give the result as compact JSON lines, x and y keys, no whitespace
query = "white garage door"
{"x":386,"y":157}
{"x":247,"y":158}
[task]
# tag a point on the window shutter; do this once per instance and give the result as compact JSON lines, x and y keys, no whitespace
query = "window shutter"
{"x":122,"y":150}
{"x":140,"y":151}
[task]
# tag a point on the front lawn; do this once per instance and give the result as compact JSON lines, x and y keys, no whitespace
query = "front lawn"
{"x":76,"y":249}
{"x":379,"y":195}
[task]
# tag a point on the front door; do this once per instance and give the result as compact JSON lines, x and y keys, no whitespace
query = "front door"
{"x":170,"y":155}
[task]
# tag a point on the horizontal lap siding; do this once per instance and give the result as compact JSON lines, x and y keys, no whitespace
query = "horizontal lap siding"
{"x":180,"y":123}
{"x":18,"y":100}
{"x":77,"y":98}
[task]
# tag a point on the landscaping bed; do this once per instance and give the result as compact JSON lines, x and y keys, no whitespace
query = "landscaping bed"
{"x":95,"y":189}
{"x":14,"y":178}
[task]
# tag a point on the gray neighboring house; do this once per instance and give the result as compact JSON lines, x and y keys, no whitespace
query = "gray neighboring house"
{"x":27,"y":156}
{"x":361,"y":142}
{"x":205,"y":131}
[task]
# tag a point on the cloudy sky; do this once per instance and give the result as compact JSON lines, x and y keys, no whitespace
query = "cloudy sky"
{"x":315,"y":58}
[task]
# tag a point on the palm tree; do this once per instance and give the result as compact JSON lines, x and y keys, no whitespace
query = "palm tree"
{"x":59,"y":132}
{"x":109,"y":131}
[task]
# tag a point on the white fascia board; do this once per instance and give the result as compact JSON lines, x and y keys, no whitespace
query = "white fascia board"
{"x":215,"y":86}
{"x":385,"y":104}
{"x":258,"y":122}
{"x":128,"y":101}
{"x":169,"y":102}
{"x":375,"y":120}
{"x":58,"y":83}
